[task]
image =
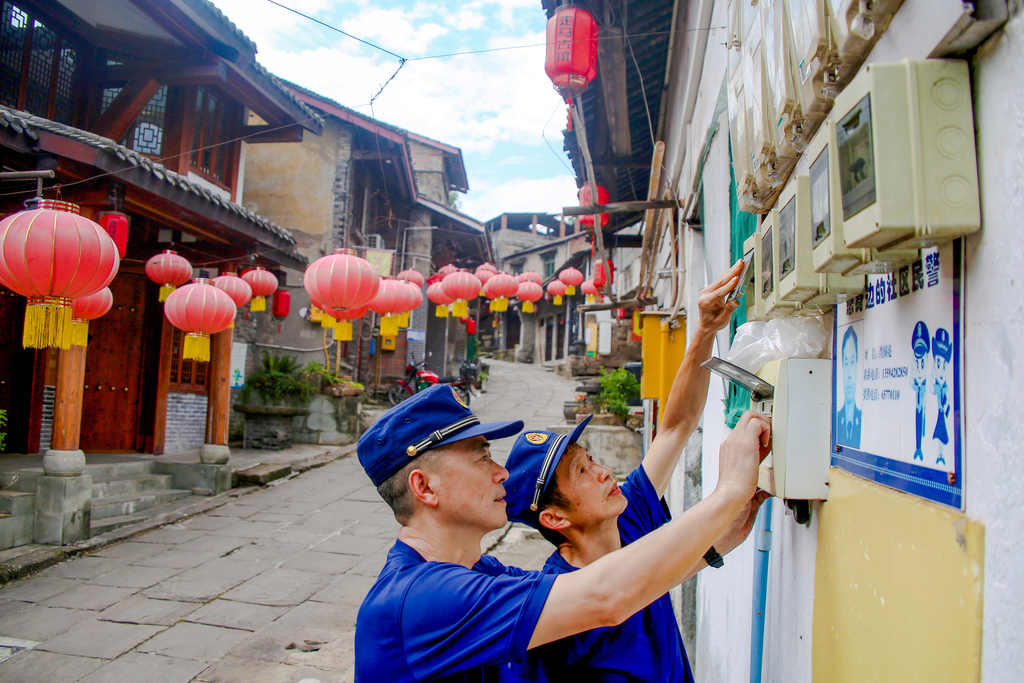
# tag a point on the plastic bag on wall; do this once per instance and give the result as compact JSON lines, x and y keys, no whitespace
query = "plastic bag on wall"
{"x":760,"y":342}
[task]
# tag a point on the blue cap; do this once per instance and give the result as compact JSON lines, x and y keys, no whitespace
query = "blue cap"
{"x":941,"y":345}
{"x":431,"y":418}
{"x":920,"y":340}
{"x":531,"y":466}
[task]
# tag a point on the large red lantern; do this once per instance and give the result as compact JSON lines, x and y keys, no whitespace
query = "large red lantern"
{"x":530,"y":276}
{"x":570,"y":60}
{"x":529,"y":292}
{"x":463,"y":287}
{"x":556,"y":288}
{"x":235,"y":287}
{"x":52,"y":255}
{"x":85,"y":309}
{"x":484,"y":273}
{"x":413,"y":276}
{"x":263,"y":283}
{"x":603,"y":197}
{"x":388,"y":303}
{"x":592,"y":292}
{"x":412,"y":297}
{"x":503,"y":288}
{"x":168,"y":270}
{"x":199,"y":309}
{"x":571,"y":277}
{"x":341,"y":280}
{"x":437,"y":295}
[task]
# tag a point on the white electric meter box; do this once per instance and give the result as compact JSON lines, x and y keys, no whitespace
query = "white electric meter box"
{"x":797,"y":278}
{"x":813,"y":54}
{"x":755,"y":304}
{"x":855,"y":27}
{"x":741,"y":18}
{"x":796,"y":393}
{"x":758,"y":126}
{"x":783,"y":96}
{"x":768,"y":272}
{"x":831,"y":252}
{"x":907,"y":162}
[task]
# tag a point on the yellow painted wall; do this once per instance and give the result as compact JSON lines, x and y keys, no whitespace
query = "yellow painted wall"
{"x":897,"y":588}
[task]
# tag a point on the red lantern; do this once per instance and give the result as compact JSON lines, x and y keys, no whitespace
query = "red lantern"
{"x":85,"y":309}
{"x":388,"y":303}
{"x":484,"y":273}
{"x":592,"y":292}
{"x":529,"y":293}
{"x":199,"y":309}
{"x":530,"y":276}
{"x":604,"y":274}
{"x":462,"y":287}
{"x":556,"y":288}
{"x":343,"y":321}
{"x":470,"y":326}
{"x":341,"y":280}
{"x":168,"y":270}
{"x":235,"y":287}
{"x":282,"y":303}
{"x":571,"y":277}
{"x":412,"y":297}
{"x":447,"y":270}
{"x":413,"y":276}
{"x":503,"y":287}
{"x":263,"y":283}
{"x":570,"y":60}
{"x":52,"y":255}
{"x":116,"y":225}
{"x":437,"y":295}
{"x":603,"y":197}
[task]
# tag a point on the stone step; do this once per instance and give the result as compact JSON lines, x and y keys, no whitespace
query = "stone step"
{"x":101,"y":525}
{"x":17,"y":503}
{"x":15,"y":530}
{"x":117,"y":506}
{"x":117,"y":469}
{"x":105,"y":487}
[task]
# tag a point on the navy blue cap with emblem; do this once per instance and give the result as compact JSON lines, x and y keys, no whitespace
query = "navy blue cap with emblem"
{"x":531,"y":466}
{"x":920,"y":340}
{"x":941,"y":345}
{"x":431,"y":418}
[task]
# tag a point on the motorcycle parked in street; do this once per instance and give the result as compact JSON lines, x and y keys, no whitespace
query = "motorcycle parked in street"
{"x":417,"y":378}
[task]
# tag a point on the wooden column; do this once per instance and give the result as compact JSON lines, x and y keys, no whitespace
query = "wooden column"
{"x":218,"y":382}
{"x":67,"y":402}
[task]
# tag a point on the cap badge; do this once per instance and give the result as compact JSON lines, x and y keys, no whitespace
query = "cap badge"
{"x":459,"y":399}
{"x":411,"y":451}
{"x":536,"y":437}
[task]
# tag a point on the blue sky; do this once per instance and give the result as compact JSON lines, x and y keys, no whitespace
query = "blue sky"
{"x":498,"y":107}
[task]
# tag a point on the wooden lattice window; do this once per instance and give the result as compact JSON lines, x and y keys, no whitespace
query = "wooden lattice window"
{"x":186,"y":375}
{"x":146,"y":135}
{"x":216,"y":123}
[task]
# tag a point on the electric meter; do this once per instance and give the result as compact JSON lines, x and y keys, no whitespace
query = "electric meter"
{"x":767,"y":278}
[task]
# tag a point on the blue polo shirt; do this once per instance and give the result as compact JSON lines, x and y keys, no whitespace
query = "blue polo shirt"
{"x":646,"y":647}
{"x":438,"y":621}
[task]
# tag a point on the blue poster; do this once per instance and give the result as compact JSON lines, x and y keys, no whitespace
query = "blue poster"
{"x":897,"y":379}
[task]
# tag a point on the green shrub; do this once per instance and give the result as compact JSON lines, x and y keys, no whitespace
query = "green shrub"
{"x":278,"y":379}
{"x":617,"y":389}
{"x":326,"y":376}
{"x":3,"y":434}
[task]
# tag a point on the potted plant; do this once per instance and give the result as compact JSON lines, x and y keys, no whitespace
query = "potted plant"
{"x":618,"y":388}
{"x":284,"y":392}
{"x":330,"y":383}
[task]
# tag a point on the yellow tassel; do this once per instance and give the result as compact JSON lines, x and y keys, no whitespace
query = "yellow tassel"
{"x":47,"y":323}
{"x":441,"y":311}
{"x":494,"y":323}
{"x":165,"y":290}
{"x":79,"y":332}
{"x":326,"y":321}
{"x":570,"y":289}
{"x":590,"y":298}
{"x":558,"y":301}
{"x":527,"y":307}
{"x":460,"y":309}
{"x":232,"y":325}
{"x":492,"y":307}
{"x":259,"y":303}
{"x":343,"y":332}
{"x":389,"y":326}
{"x":502,"y":304}
{"x":403,"y":320}
{"x":196,"y":347}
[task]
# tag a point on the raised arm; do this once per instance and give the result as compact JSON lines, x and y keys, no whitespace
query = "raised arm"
{"x":608,"y":591}
{"x":689,"y":391}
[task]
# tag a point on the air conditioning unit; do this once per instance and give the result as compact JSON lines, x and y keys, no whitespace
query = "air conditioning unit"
{"x":374,"y":242}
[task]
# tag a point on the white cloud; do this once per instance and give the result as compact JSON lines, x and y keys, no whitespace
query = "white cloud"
{"x":519,"y":195}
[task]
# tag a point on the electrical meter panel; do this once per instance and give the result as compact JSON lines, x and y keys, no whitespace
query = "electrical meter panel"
{"x":767,"y":287}
{"x":741,"y":18}
{"x":797,"y":394}
{"x":907,"y":162}
{"x":797,"y":278}
{"x":814,"y":57}
{"x":856,"y":26}
{"x":754,"y":302}
{"x":758,"y":137}
{"x":830,"y":250}
{"x":782,"y":93}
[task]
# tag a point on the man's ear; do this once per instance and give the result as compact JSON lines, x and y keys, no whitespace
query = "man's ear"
{"x":421,"y":489}
{"x":553,"y":518}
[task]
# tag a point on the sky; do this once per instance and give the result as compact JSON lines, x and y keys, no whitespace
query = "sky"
{"x":497,"y":107}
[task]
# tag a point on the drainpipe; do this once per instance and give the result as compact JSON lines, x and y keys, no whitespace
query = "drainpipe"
{"x":763,"y":541}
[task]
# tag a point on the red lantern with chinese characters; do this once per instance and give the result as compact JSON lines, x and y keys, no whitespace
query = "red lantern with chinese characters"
{"x":199,"y":309}
{"x":503,"y":288}
{"x":341,"y":280}
{"x":529,"y":293}
{"x":263,"y":283}
{"x":389,"y":302}
{"x":437,"y":295}
{"x":235,"y":287}
{"x":530,"y":276}
{"x":556,"y":288}
{"x":462,"y":287}
{"x":571,"y":278}
{"x":413,"y":276}
{"x":592,"y":292}
{"x":168,"y":270}
{"x":116,"y":225}
{"x":570,"y":60}
{"x":587,"y":221}
{"x":604,"y":273}
{"x":52,"y":255}
{"x":343,"y":321}
{"x":85,"y":309}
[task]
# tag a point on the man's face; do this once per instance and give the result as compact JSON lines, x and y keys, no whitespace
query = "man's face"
{"x":850,"y":370}
{"x":469,"y":485}
{"x":592,"y":492}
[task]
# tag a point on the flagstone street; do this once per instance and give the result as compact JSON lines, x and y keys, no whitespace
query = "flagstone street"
{"x":264,"y":588}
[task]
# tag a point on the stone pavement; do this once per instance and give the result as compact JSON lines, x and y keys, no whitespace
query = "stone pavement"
{"x":264,"y":588}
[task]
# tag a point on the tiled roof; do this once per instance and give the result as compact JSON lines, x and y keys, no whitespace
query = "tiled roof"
{"x":23,"y":123}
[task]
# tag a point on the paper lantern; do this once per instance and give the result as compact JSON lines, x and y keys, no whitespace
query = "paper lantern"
{"x":388,"y":303}
{"x":437,"y":295}
{"x":412,"y":297}
{"x":341,"y":280}
{"x":263,"y":284}
{"x":530,"y":276}
{"x":344,"y":318}
{"x":591,"y":290}
{"x":199,"y":309}
{"x":235,"y":287}
{"x":604,"y":273}
{"x":462,"y":287}
{"x":587,"y":221}
{"x":413,"y":276}
{"x":571,"y":277}
{"x":168,"y":270}
{"x":85,"y":309}
{"x":503,"y":287}
{"x":556,"y":288}
{"x":116,"y":225}
{"x":52,"y":255}
{"x":447,"y":270}
{"x":529,"y":292}
{"x":570,"y":59}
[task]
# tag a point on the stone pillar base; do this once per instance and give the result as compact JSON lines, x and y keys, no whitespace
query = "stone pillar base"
{"x":213,"y":454}
{"x":63,"y":463}
{"x":62,"y":509}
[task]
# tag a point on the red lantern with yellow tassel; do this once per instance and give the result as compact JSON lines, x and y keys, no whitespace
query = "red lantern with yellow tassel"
{"x":343,"y":321}
{"x":236,"y":288}
{"x":413,"y":298}
{"x":85,"y":309}
{"x":199,"y":309}
{"x":388,"y":303}
{"x":168,"y":270}
{"x":530,"y":276}
{"x":503,"y":288}
{"x":341,"y":280}
{"x":52,"y":255}
{"x":463,"y":287}
{"x":571,"y":277}
{"x":437,"y":295}
{"x":529,"y":292}
{"x":556,"y":288}
{"x":263,"y":284}
{"x":447,"y":270}
{"x":413,"y":276}
{"x":591,"y":290}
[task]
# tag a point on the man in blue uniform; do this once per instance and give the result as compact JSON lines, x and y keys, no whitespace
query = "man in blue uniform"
{"x":556,"y":487}
{"x":849,"y":415}
{"x":441,"y":611}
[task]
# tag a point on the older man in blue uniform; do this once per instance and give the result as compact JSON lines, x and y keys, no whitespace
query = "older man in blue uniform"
{"x":849,"y":417}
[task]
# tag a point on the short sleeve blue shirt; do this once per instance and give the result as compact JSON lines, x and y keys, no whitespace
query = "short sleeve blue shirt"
{"x":646,"y":647}
{"x":438,"y":621}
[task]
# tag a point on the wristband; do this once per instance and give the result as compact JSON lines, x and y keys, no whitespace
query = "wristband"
{"x":713,"y":558}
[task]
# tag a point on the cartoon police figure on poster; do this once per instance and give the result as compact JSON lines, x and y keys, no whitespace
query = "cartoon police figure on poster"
{"x":897,"y":379}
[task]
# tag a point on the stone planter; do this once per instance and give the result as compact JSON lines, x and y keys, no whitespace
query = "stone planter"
{"x":268,"y":427}
{"x":569,"y":411}
{"x":339,"y":390}
{"x":616,"y":447}
{"x":330,"y":420}
{"x":604,"y":420}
